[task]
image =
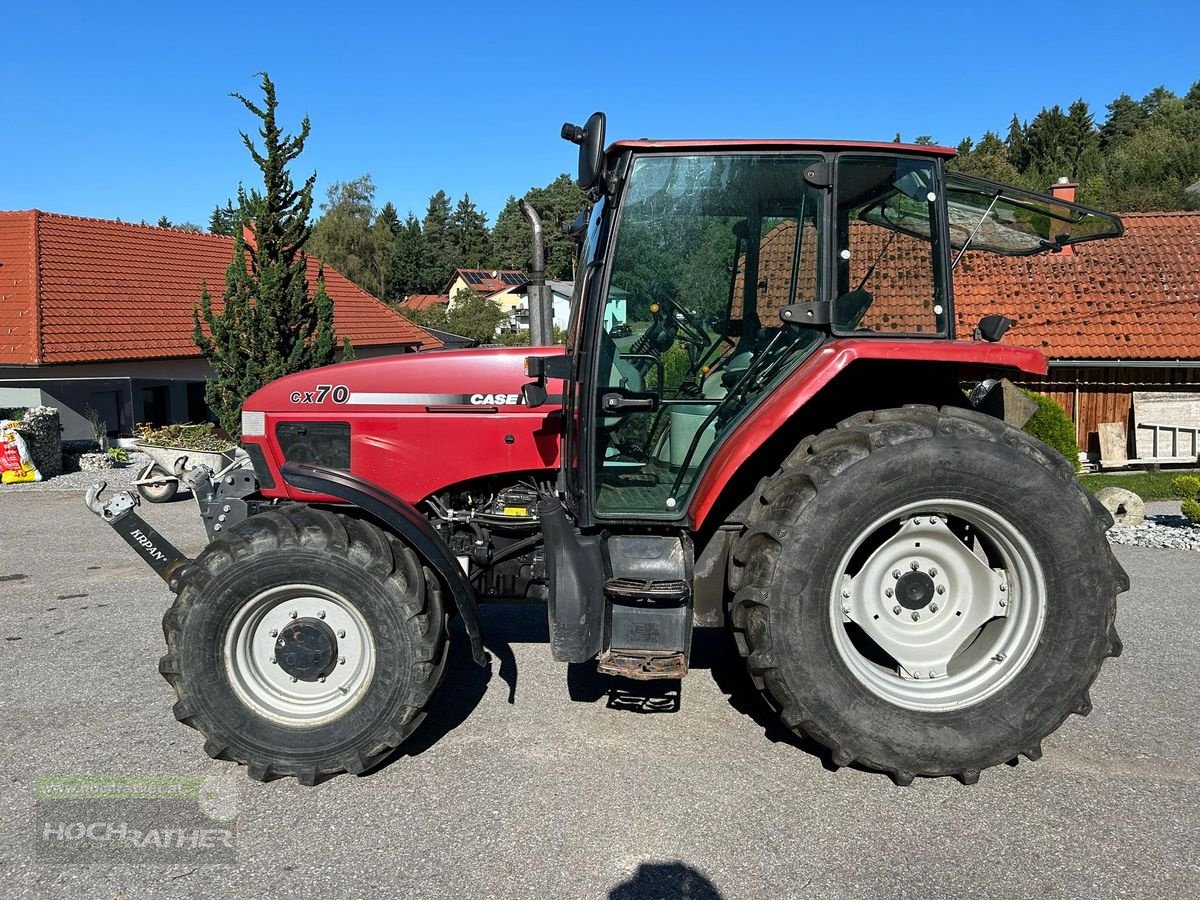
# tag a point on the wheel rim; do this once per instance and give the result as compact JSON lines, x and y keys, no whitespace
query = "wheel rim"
{"x":938,"y":605}
{"x":274,"y":687}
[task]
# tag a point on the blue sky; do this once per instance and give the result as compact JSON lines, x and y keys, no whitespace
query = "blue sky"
{"x":121,"y":110}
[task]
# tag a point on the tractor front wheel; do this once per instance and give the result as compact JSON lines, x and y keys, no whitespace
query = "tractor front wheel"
{"x":305,"y":643}
{"x":926,"y":593}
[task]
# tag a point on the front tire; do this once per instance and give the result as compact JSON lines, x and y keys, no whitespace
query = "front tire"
{"x":305,"y":643}
{"x":925,"y":593}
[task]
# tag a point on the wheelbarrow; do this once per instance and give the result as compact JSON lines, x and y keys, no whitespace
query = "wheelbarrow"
{"x":159,"y":480}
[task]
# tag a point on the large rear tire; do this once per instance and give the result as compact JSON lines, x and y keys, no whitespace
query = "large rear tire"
{"x":925,"y":593}
{"x":305,"y":643}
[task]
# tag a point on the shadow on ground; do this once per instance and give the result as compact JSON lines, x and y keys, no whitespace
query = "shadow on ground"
{"x":665,"y":881}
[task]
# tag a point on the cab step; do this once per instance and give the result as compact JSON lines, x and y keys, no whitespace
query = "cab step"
{"x":663,"y":591}
{"x":642,"y":666}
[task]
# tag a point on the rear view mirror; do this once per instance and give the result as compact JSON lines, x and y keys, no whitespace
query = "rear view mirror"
{"x":590,"y":139}
{"x":534,"y":394}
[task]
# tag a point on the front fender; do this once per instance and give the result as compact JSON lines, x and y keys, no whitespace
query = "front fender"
{"x":408,"y":524}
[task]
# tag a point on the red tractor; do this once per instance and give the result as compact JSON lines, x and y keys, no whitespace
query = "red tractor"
{"x":760,"y":418}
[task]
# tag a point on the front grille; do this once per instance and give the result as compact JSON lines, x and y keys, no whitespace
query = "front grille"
{"x":324,"y":444}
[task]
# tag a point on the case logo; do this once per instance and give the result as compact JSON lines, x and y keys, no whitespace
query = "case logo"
{"x":495,"y":399}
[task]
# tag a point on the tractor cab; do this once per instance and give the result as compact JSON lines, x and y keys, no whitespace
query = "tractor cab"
{"x":711,"y":271}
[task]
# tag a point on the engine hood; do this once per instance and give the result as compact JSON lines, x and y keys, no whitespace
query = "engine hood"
{"x":411,"y":425}
{"x":471,"y":378}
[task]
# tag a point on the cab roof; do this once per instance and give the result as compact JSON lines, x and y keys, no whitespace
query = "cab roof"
{"x":779,"y":144}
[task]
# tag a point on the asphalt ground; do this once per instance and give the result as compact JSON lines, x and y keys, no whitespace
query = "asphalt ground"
{"x":530,"y":780}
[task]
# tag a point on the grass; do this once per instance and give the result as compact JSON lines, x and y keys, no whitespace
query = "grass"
{"x":1147,"y":485}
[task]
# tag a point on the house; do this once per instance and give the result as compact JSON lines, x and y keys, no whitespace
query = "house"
{"x":1119,"y":321}
{"x":99,"y":313}
{"x":560,"y":297}
{"x":501,"y":286}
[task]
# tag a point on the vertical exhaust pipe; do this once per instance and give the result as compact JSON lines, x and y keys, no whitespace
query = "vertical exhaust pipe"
{"x":541,"y":309}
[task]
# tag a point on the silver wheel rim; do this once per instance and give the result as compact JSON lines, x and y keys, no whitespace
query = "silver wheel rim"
{"x":263,"y":685}
{"x":938,"y":605}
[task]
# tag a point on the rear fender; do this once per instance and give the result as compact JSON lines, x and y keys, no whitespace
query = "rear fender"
{"x":406,"y":523}
{"x":962,"y":359}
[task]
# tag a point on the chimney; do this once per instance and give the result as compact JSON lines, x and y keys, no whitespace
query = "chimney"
{"x":1064,"y":189}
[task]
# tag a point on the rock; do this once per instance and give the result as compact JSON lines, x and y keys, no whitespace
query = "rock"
{"x":1125,"y":506}
{"x":43,"y":435}
{"x":92,"y":462}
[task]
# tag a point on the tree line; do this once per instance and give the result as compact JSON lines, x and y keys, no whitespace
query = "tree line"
{"x":393,"y":257}
{"x":1144,"y":156}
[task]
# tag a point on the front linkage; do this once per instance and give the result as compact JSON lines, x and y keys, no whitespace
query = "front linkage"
{"x":220,"y":497}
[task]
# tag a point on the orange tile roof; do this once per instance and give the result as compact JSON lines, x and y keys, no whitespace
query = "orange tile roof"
{"x":418,"y":302}
{"x":1132,"y":297}
{"x":84,"y":290}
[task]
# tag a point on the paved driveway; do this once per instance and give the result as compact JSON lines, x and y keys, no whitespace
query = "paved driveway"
{"x":534,"y":781}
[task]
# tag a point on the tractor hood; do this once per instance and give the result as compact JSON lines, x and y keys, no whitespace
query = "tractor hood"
{"x":489,"y":378}
{"x":412,"y":424}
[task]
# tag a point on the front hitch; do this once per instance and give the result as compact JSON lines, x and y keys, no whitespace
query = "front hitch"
{"x":159,"y":553}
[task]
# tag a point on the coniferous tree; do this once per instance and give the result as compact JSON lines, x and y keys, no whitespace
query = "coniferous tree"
{"x":408,"y":262}
{"x":439,"y":259}
{"x":223,"y":219}
{"x":269,"y":324}
{"x":511,"y":239}
{"x":469,"y":235}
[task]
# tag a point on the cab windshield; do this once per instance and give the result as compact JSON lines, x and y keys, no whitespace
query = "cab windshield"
{"x":709,"y":249}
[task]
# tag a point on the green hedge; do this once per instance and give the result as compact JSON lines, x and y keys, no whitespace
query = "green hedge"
{"x":1051,"y":425}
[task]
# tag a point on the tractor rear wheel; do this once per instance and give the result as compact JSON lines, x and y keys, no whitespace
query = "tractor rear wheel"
{"x":305,"y":643}
{"x":925,"y":592}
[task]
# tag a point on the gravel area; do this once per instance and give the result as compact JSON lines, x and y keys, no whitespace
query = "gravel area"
{"x":1164,"y":529}
{"x":117,"y":479}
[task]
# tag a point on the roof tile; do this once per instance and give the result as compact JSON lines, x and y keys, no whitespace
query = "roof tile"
{"x":107,"y":290}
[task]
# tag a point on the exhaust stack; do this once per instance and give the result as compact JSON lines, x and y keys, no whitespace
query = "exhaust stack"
{"x":541,"y":309}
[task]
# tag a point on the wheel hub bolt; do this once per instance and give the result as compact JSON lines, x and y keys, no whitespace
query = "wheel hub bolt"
{"x":272,"y":660}
{"x":274,"y":632}
{"x":294,"y":679}
{"x":846,"y":593}
{"x":933,"y":520}
{"x":321,"y":614}
{"x":896,"y":573}
{"x":280,"y":643}
{"x":321,"y":679}
{"x":341,"y":660}
{"x":933,"y":607}
{"x":341,"y":634}
{"x":896,"y":610}
{"x":887,"y":592}
{"x":914,"y":565}
{"x":932,"y":572}
{"x":1003,"y":602}
{"x":916,"y":616}
{"x":292,"y":614}
{"x":846,"y":610}
{"x":1004,"y":587}
{"x":941,"y":589}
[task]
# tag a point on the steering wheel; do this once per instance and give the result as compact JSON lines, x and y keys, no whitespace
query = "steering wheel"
{"x":695,"y":325}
